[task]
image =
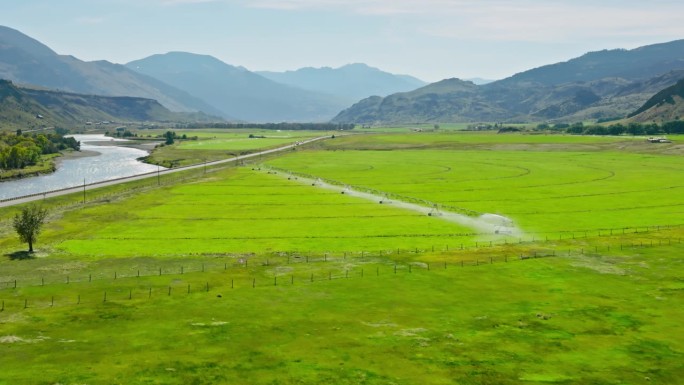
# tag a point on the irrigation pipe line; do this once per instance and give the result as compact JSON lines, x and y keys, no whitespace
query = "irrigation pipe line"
{"x":153,"y":174}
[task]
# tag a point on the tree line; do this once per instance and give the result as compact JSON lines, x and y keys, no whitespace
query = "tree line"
{"x":18,"y":150}
{"x":673,"y":127}
{"x":273,"y":126}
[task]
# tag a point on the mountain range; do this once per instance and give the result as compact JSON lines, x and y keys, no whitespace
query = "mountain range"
{"x":601,"y":85}
{"x":188,"y":82}
{"x":237,"y":92}
{"x":598,"y":85}
{"x":309,"y":94}
{"x":24,"y":60}
{"x":351,"y":82}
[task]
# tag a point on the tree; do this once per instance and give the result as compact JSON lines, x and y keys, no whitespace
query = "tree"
{"x":169,"y":137}
{"x":28,"y":223}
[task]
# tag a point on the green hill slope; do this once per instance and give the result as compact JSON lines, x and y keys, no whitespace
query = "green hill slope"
{"x":24,"y":108}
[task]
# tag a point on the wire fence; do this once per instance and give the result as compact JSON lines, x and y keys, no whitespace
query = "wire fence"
{"x":286,"y":258}
{"x":246,"y":272}
{"x":224,"y":284}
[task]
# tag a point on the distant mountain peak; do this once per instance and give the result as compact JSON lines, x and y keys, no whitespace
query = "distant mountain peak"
{"x":13,"y":38}
{"x":353,"y":81}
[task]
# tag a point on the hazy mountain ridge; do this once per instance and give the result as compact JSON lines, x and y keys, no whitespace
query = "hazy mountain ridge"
{"x":597,"y":85}
{"x":24,"y":60}
{"x":639,"y":63}
{"x":351,"y":82}
{"x":236,"y":91}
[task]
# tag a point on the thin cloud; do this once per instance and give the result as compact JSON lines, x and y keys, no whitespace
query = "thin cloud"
{"x":184,"y":2}
{"x":559,"y":22}
{"x":510,"y":20}
{"x":90,"y":20}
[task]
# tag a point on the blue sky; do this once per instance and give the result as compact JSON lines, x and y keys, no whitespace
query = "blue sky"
{"x":430,"y":39}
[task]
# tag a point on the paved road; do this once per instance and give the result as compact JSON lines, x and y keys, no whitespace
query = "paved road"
{"x":154,"y":174}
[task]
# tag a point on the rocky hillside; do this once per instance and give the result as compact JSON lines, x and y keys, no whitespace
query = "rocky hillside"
{"x":27,"y":109}
{"x":667,"y":105}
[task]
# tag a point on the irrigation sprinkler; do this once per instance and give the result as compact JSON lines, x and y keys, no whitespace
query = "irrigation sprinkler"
{"x":435,"y":212}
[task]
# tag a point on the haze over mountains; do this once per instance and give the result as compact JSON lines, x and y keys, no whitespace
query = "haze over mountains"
{"x":24,"y":60}
{"x":598,"y":85}
{"x":237,"y":92}
{"x":351,"y":82}
{"x":188,"y":82}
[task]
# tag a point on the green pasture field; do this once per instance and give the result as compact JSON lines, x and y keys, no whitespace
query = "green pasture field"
{"x":591,"y":318}
{"x":546,"y":184}
{"x":242,"y":211}
{"x":242,"y":275}
{"x":216,"y":144}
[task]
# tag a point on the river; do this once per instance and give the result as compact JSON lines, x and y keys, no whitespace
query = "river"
{"x":107,"y":162}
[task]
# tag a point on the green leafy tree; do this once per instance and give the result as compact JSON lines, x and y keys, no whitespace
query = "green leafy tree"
{"x":28,"y":223}
{"x":169,"y":137}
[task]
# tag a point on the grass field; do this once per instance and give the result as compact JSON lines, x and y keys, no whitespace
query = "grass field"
{"x":243,"y":275}
{"x":548,"y":185}
{"x":215,"y":144}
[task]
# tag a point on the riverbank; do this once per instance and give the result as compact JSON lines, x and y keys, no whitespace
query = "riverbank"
{"x":46,"y":165}
{"x":92,"y":164}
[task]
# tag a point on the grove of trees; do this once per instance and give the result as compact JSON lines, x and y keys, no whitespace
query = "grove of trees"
{"x":19,"y":150}
{"x":673,"y":127}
